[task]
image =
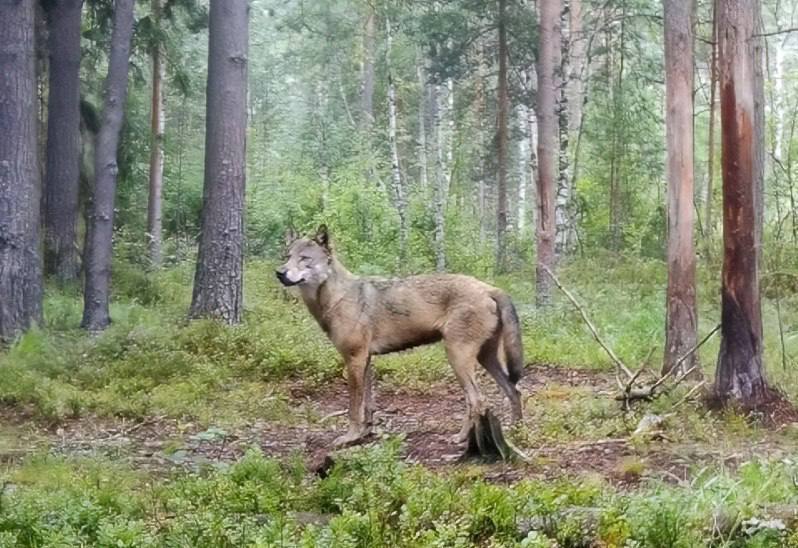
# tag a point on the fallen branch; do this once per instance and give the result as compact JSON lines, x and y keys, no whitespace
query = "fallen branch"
{"x":615,"y":359}
{"x":650,"y":392}
{"x":630,"y":392}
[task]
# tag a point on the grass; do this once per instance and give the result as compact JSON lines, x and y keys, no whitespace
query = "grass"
{"x":371,"y":498}
{"x":152,"y":362}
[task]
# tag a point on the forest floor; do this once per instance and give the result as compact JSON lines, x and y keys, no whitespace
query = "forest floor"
{"x":669,"y":447}
{"x":164,"y":432}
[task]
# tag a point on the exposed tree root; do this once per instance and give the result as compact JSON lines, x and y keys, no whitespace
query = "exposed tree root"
{"x":486,"y":441}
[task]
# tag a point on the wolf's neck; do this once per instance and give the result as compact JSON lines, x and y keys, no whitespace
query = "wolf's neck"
{"x":325,"y":297}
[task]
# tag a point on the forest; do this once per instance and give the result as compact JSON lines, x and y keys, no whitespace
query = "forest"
{"x":622,"y":173}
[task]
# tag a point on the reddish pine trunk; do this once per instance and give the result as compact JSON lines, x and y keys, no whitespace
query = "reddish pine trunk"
{"x":740,"y":373}
{"x":218,"y":280}
{"x":20,"y":263}
{"x":99,"y":236}
{"x":547,"y":146}
{"x":62,"y":183}
{"x":681,"y":321}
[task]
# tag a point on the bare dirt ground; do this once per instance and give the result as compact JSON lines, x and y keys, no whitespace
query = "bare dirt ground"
{"x":427,"y":419}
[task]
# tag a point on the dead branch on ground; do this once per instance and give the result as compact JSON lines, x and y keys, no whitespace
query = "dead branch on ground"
{"x":629,"y":390}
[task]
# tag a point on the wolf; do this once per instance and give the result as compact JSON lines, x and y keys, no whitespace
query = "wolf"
{"x":369,"y":316}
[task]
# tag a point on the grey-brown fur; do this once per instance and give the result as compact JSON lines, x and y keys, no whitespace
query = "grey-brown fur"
{"x":365,"y":316}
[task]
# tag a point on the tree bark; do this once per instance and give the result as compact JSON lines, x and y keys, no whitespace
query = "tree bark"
{"x":740,"y":372}
{"x":709,"y":223}
{"x":99,"y":238}
{"x":681,"y":319}
{"x":441,"y":187}
{"x":62,"y":172}
{"x":502,"y":139}
{"x":367,"y":76}
{"x":218,"y":280}
{"x":157,"y":126}
{"x":423,"y":169}
{"x":400,"y":192}
{"x":523,"y":167}
{"x":20,"y":261}
{"x":547,"y":147}
{"x":564,"y":230}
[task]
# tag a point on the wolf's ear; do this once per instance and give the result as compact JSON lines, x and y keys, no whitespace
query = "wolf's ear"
{"x":322,"y":236}
{"x":290,"y":235}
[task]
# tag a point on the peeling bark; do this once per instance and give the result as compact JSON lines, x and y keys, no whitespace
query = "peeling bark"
{"x":740,"y":372}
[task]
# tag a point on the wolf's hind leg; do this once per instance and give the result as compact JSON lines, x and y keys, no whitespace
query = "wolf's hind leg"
{"x":489,"y":358}
{"x":463,"y":359}
{"x":358,"y":368}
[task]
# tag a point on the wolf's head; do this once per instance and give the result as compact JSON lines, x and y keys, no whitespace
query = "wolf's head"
{"x":307,"y":260}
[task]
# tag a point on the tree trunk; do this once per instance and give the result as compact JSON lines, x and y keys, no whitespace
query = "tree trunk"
{"x":562,"y":206}
{"x":681,"y":319}
{"x":618,"y":136}
{"x":440,"y":189}
{"x":502,"y":139}
{"x":99,"y":239}
{"x":740,"y":372}
{"x":157,"y":121}
{"x":547,"y":147}
{"x":218,"y":280}
{"x":400,"y":193}
{"x":523,"y":166}
{"x":709,"y":223}
{"x":20,"y":262}
{"x":62,"y":183}
{"x":423,"y":170}
{"x":367,"y":76}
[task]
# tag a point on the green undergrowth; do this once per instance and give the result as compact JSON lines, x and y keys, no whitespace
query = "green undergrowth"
{"x":152,"y":361}
{"x":372,"y":499}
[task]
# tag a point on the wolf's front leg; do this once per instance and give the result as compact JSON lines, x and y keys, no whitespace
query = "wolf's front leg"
{"x":361,"y":407}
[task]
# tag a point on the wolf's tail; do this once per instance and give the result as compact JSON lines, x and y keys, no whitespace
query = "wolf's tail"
{"x":511,"y":336}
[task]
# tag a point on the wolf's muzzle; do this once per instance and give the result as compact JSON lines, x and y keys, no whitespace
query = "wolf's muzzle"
{"x":284,"y":279}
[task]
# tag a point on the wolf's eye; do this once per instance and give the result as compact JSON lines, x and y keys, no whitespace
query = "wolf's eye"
{"x":305,"y":258}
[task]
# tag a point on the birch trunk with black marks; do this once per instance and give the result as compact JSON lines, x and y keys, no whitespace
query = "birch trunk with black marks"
{"x":157,"y":126}
{"x":618,"y":146}
{"x":20,"y":262}
{"x":62,"y":173}
{"x":400,"y":193}
{"x":480,"y":108}
{"x":421,"y":144}
{"x":547,"y":148}
{"x":99,"y":236}
{"x":367,"y":73}
{"x":502,"y":143}
{"x":441,"y":187}
{"x":681,"y":316}
{"x":523,"y":166}
{"x":740,"y":372}
{"x":219,"y":276}
{"x":564,"y":230}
